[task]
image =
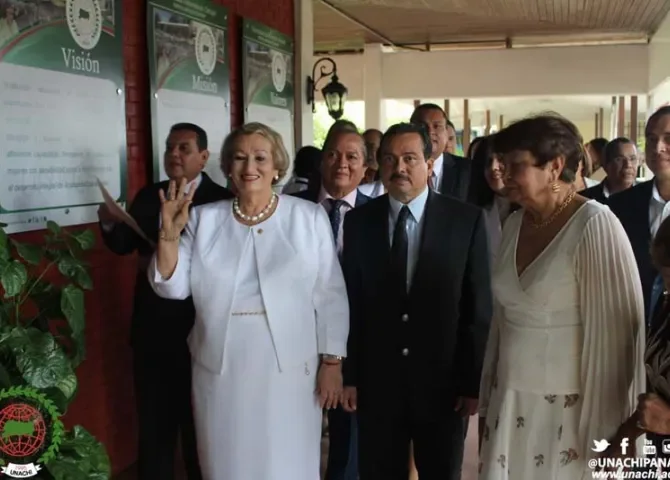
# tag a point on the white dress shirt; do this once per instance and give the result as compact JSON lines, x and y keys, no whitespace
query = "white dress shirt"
{"x":414,"y":224}
{"x":436,"y":176}
{"x":372,"y":190}
{"x":659,"y":210}
{"x":590,"y":182}
{"x":349,"y":203}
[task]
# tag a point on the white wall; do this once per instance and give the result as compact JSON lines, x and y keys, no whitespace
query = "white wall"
{"x":659,"y":64}
{"x":612,"y":70}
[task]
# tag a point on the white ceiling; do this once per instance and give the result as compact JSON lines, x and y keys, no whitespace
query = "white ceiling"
{"x":577,"y":107}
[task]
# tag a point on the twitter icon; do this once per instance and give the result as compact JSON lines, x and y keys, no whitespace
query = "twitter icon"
{"x":600,"y":445}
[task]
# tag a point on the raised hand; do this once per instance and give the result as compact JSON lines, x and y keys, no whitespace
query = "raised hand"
{"x":174,"y":207}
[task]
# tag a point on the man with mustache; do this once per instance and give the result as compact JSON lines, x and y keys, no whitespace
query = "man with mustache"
{"x":161,"y":359}
{"x":450,"y":174}
{"x":417,"y":272}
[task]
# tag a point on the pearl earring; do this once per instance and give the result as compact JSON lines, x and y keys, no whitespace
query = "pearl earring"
{"x":276,"y":178}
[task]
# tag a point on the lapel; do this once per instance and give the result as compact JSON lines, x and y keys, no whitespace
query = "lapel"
{"x":431,"y":240}
{"x":204,"y":190}
{"x":600,"y":194}
{"x":449,"y":177}
{"x":377,"y":239}
{"x":361,"y":199}
{"x":639,"y":213}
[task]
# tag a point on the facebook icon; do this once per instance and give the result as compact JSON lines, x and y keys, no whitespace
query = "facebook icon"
{"x":624,"y":445}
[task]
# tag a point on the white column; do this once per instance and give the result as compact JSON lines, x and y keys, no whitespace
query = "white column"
{"x":375,"y":115}
{"x":304,"y":54}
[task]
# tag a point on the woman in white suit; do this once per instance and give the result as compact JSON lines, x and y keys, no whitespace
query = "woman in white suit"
{"x":272,"y":315}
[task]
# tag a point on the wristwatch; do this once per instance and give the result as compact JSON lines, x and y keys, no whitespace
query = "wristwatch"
{"x":332,"y":358}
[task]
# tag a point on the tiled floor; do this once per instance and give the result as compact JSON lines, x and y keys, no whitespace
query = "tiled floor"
{"x":469,"y":463}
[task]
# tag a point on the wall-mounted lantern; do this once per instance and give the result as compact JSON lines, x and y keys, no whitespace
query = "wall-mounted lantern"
{"x":334,"y":93}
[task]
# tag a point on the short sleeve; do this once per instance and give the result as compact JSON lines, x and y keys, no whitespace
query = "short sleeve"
{"x":611,"y":307}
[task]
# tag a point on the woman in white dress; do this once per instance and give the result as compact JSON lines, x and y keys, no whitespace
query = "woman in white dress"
{"x":272,"y":315}
{"x":564,"y":360}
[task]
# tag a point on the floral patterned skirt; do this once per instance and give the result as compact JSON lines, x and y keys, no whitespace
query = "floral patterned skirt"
{"x":532,"y":437}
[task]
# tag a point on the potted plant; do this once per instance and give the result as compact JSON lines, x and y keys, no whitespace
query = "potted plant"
{"x":42,"y":318}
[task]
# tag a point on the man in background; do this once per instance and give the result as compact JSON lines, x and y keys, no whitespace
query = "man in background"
{"x":161,"y":358}
{"x":342,"y":169}
{"x":372,"y":185}
{"x":451,"y":173}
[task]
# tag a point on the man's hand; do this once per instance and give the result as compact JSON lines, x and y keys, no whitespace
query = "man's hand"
{"x":350,"y":399}
{"x":467,"y":406}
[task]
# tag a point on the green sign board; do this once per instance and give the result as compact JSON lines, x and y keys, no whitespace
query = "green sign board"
{"x":62,"y":110}
{"x":269,"y":80}
{"x":190,"y":79}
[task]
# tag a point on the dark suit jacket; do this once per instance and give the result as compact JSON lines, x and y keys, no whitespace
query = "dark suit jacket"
{"x":313,"y":196}
{"x":455,"y":176}
{"x":444,"y":319}
{"x":595,"y":192}
{"x":158,"y":324}
{"x":632,"y":208}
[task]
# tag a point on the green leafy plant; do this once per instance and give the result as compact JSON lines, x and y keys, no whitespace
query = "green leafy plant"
{"x":42,"y":318}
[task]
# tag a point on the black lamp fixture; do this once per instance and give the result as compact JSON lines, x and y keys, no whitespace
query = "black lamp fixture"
{"x":334,"y":93}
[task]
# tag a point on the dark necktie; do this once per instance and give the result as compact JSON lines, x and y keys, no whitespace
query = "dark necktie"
{"x":399,"y":250}
{"x":335,"y":216}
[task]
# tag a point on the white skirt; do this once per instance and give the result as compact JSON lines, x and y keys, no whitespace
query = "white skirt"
{"x":254,"y":422}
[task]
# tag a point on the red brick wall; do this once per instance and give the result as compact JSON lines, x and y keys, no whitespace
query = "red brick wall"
{"x":105,"y":402}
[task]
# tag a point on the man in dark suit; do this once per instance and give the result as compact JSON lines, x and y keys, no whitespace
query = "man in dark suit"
{"x":642,"y":208}
{"x":620,"y":163}
{"x":162,"y":362}
{"x":451,"y":173}
{"x":342,"y":169}
{"x":417,"y":272}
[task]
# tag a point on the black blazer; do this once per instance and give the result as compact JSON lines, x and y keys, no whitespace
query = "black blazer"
{"x":632,"y":208}
{"x":313,"y":196}
{"x":595,"y":192}
{"x":455,"y":176}
{"x":444,"y":319}
{"x":158,"y":325}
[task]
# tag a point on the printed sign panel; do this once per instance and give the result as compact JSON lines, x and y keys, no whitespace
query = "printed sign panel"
{"x":62,"y":110}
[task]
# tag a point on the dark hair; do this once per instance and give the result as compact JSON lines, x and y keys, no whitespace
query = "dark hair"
{"x":651,"y":123}
{"x":611,"y":150}
{"x":307,"y":161}
{"x":425,"y":107}
{"x":342,"y":125}
{"x":334,"y":134}
{"x":598,"y":144}
{"x":660,"y":245}
{"x":373,"y":130}
{"x":404,"y":128}
{"x":480,"y":192}
{"x":200,"y":134}
{"x":473,"y":146}
{"x":546,"y":136}
{"x":450,"y":124}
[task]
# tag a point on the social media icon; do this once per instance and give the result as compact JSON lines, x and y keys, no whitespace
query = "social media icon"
{"x":649,"y":448}
{"x":624,"y":445}
{"x":600,"y":445}
{"x":666,"y":446}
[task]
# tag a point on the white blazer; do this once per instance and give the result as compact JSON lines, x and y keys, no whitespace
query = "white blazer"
{"x":300,"y":276}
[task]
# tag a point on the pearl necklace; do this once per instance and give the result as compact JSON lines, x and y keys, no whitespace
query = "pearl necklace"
{"x":254,"y":218}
